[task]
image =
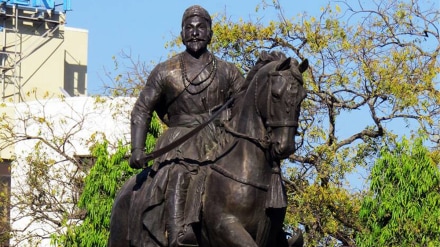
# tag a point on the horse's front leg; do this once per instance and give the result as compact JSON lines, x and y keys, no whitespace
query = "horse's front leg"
{"x":230,"y":214}
{"x":230,"y":232}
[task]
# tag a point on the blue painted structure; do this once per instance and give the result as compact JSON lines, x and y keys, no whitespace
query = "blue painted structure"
{"x":39,"y":4}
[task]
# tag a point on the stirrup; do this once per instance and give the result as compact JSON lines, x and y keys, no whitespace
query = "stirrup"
{"x":187,"y":238}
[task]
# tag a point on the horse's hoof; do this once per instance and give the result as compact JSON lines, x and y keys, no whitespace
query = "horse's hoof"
{"x":187,"y":238}
{"x":296,"y":240}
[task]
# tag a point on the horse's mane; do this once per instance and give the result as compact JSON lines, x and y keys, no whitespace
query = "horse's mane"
{"x":264,"y":59}
{"x":225,"y":140}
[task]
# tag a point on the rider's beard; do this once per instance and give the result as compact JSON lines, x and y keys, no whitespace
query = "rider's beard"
{"x":196,"y":46}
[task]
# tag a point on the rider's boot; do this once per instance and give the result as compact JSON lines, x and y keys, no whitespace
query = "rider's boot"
{"x":176,"y":198}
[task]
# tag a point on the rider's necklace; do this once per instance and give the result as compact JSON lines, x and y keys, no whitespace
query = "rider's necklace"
{"x":197,"y":87}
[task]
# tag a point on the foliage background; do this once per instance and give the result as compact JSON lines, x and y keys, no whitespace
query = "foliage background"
{"x":402,"y":207}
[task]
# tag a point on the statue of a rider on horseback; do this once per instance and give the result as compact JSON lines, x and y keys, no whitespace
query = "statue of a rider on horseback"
{"x":197,"y":96}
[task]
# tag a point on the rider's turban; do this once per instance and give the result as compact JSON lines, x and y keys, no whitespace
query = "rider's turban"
{"x":196,"y":10}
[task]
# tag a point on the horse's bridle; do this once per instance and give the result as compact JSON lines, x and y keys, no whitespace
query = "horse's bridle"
{"x":266,"y":141}
{"x":279,"y":123}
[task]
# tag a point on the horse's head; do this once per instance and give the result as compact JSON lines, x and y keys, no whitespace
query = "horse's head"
{"x":279,"y":102}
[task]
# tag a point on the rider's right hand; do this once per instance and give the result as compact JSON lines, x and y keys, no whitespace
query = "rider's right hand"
{"x":137,"y":158}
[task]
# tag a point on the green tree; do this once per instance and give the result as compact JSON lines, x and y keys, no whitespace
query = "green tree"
{"x":403,"y":208}
{"x":108,"y":174}
{"x":97,"y":197}
{"x":380,"y":59}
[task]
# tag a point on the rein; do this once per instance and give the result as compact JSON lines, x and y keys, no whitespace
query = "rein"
{"x":263,"y":143}
{"x":228,"y":174}
{"x":153,"y":155}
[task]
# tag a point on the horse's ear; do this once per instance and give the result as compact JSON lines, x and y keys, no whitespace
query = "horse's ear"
{"x":285,"y":65}
{"x":303,"y":66}
{"x":264,"y":55}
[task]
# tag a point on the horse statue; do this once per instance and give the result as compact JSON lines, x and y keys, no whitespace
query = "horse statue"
{"x":243,"y":201}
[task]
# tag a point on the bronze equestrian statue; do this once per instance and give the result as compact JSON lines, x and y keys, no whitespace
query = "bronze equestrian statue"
{"x":223,"y":186}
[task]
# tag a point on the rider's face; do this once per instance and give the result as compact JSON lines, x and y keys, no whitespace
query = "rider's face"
{"x":196,"y":34}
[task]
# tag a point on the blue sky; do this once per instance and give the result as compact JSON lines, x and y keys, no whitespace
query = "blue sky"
{"x":143,"y":27}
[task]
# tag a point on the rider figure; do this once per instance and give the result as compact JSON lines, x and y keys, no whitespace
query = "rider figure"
{"x":184,"y":91}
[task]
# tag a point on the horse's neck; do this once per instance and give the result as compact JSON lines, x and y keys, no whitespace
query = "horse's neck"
{"x":247,"y":125}
{"x":244,"y":159}
{"x":246,"y":121}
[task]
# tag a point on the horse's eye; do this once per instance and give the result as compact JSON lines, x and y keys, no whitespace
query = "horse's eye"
{"x":277,"y":91}
{"x":276,"y":95}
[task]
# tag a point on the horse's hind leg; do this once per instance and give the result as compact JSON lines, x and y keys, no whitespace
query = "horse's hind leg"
{"x":277,"y":236}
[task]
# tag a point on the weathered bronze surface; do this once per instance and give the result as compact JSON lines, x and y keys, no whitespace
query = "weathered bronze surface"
{"x":222,"y":187}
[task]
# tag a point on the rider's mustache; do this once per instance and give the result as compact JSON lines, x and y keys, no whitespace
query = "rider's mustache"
{"x":194,"y":39}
